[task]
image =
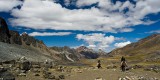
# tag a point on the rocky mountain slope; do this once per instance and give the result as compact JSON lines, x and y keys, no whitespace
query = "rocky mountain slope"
{"x":14,"y":52}
{"x":16,"y":45}
{"x":30,"y":45}
{"x":147,"y":49}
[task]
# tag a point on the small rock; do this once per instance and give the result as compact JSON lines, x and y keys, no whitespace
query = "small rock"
{"x":99,"y":78}
{"x":128,"y":78}
{"x":36,"y":70}
{"x":120,"y":79}
{"x":36,"y":74}
{"x":22,"y":71}
{"x":147,"y":69}
{"x":22,"y":74}
{"x":36,"y":66}
{"x":61,"y":76}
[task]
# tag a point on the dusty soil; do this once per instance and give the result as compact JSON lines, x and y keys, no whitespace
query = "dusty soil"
{"x":111,"y":74}
{"x":91,"y":73}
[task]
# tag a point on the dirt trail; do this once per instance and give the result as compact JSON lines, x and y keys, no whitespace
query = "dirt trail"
{"x":113,"y":74}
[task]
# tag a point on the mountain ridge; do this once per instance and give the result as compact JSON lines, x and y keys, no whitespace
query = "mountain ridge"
{"x":24,"y":40}
{"x":146,"y":49}
{"x":16,"y":41}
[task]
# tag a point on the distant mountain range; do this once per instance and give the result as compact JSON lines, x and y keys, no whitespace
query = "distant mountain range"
{"x":72,"y":54}
{"x":13,"y":46}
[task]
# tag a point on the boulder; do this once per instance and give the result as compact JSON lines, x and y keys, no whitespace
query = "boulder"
{"x":24,"y":64}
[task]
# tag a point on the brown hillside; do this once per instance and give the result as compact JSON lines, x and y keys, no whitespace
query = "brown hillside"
{"x":146,"y":49}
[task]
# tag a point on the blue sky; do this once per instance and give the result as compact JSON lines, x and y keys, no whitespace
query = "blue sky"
{"x":97,"y":24}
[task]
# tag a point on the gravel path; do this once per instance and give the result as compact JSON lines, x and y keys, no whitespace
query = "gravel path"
{"x":113,"y":74}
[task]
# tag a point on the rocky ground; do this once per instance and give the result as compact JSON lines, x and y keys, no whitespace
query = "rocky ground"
{"x":22,"y":70}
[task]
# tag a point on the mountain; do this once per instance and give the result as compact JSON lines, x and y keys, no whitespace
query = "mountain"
{"x":66,"y":53}
{"x":72,"y":54}
{"x":87,"y":53}
{"x":25,"y":45}
{"x":146,"y":49}
{"x":13,"y":37}
{"x":14,"y":45}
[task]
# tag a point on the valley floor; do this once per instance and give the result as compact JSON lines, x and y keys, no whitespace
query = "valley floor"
{"x":87,"y":70}
{"x":91,"y":73}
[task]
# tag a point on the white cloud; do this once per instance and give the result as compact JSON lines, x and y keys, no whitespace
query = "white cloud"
{"x":97,"y":40}
{"x":122,"y":44}
{"x":126,"y":30}
{"x":144,"y":7}
{"x":120,"y":38}
{"x":109,"y":17}
{"x":49,"y":33}
{"x":7,"y":5}
{"x":81,"y":3}
{"x":154,"y":31}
